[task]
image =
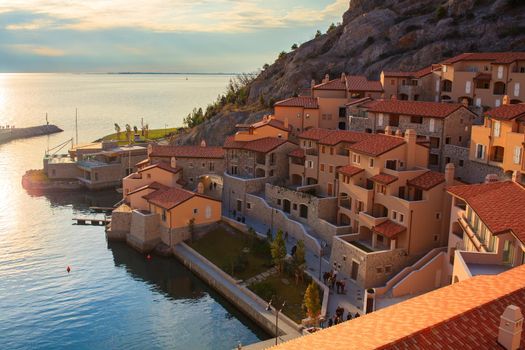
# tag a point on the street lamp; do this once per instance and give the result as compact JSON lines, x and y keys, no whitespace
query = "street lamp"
{"x":323,"y":245}
{"x":277,"y":311}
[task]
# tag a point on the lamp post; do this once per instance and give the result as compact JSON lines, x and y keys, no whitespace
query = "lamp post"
{"x":277,"y":311}
{"x":323,"y":245}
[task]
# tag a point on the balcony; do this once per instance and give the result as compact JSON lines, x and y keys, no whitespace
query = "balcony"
{"x":311,"y":152}
{"x":345,"y":202}
{"x":469,"y":264}
{"x":369,"y":220}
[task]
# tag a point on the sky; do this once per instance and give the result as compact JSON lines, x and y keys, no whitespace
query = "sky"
{"x":156,"y":35}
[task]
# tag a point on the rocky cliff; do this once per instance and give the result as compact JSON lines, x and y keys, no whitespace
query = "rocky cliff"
{"x":382,"y":34}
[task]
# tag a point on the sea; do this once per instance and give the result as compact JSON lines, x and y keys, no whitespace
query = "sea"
{"x":113,"y":297}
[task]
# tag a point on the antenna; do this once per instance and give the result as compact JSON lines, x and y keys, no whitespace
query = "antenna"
{"x":76,"y":123}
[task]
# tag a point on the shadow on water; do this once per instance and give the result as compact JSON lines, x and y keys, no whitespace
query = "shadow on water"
{"x":171,"y":278}
{"x":81,"y":200}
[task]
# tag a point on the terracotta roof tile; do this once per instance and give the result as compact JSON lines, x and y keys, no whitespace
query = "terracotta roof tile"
{"x":169,"y":198}
{"x":494,"y":57}
{"x":186,"y":151}
{"x":383,"y":178}
{"x":338,"y":136}
{"x":427,"y":181}
{"x":361,"y":83}
{"x":377,"y":144}
{"x":359,"y":101}
{"x":398,"y":74}
{"x":349,"y":170}
{"x":263,"y":145}
{"x":417,"y":108}
{"x":507,"y":112}
{"x":314,"y":134}
{"x":335,"y":84}
{"x":266,"y":121}
{"x":153,"y":186}
{"x":500,"y":205}
{"x":300,"y":101}
{"x":297,"y":153}
{"x":389,"y":229}
{"x":163,"y":166}
{"x":464,"y":314}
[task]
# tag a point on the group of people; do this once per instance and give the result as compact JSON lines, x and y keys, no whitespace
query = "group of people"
{"x":330,"y":279}
{"x":339,"y":317}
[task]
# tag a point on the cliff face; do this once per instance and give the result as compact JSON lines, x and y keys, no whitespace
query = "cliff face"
{"x":391,"y":35}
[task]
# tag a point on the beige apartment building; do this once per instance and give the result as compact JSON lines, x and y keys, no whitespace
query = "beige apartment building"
{"x":498,"y":145}
{"x":439,"y":124}
{"x":412,"y":86}
{"x":325,"y":107}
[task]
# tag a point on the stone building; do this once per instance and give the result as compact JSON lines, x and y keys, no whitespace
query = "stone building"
{"x":412,"y":86}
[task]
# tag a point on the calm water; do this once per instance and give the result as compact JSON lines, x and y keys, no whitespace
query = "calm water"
{"x":113,"y":298}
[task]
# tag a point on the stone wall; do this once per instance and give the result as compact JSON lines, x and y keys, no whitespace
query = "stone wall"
{"x":470,"y":171}
{"x":235,"y":189}
{"x":145,"y":231}
{"x":120,"y":225}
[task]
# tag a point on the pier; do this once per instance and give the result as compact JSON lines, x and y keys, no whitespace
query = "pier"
{"x":86,"y":220}
{"x":12,"y":133}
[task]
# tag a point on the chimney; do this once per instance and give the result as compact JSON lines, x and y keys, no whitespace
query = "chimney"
{"x":286,"y":125}
{"x":388,"y":130}
{"x":516,"y":176}
{"x":399,"y":133}
{"x":449,"y":174}
{"x":173,"y":162}
{"x":410,"y":138}
{"x":343,"y":77}
{"x":203,"y":143}
{"x":491,"y":178}
{"x":506,"y":100}
{"x":510,"y":328}
{"x":326,"y":78}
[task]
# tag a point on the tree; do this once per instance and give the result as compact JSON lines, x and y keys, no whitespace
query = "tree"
{"x":318,"y":33}
{"x":312,"y":301}
{"x":281,"y":55}
{"x":294,"y":47}
{"x":331,"y":27}
{"x":278,"y":250}
{"x":117,"y":129}
{"x":298,"y":261}
{"x":266,"y":66}
{"x":128,"y":133}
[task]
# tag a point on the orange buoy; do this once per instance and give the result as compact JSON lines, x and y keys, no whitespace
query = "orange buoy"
{"x":68,"y":269}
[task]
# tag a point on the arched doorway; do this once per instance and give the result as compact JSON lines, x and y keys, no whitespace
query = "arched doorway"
{"x":303,"y":211}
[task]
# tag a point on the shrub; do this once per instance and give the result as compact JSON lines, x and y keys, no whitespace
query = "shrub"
{"x":331,"y":27}
{"x":441,"y":13}
{"x":294,"y":47}
{"x":281,"y":55}
{"x":312,"y":301}
{"x":318,"y":34}
{"x":264,"y":289}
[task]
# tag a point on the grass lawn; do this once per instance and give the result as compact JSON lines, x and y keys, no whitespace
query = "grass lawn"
{"x":154,"y":134}
{"x":276,"y":288}
{"x":233,"y":252}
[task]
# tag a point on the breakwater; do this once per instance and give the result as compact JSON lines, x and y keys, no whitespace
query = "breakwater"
{"x":10,"y":134}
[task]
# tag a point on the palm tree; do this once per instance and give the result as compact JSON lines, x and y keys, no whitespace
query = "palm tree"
{"x":128,"y":133}
{"x":117,"y":129}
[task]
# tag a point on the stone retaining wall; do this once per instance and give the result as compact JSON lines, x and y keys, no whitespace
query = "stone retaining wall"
{"x":471,"y":171}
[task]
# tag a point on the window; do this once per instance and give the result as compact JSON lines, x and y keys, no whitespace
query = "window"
{"x":438,"y":216}
{"x":203,"y":165}
{"x":190,"y":165}
{"x":371,"y":162}
{"x":331,"y":151}
{"x":478,"y":102}
{"x":447,"y":140}
{"x":480,"y":151}
{"x":96,"y":176}
{"x":416,"y":120}
{"x":356,"y":158}
{"x":195,"y":211}
{"x":500,"y":72}
{"x":322,"y":167}
{"x":460,"y":138}
{"x":211,"y":166}
{"x":191,"y":179}
{"x":379,"y":269}
{"x":323,"y":149}
{"x":468,"y":86}
{"x":445,"y":69}
{"x":394,"y":215}
{"x":208,"y":212}
{"x":431,"y":125}
{"x":380,"y":238}
{"x":497,"y":128}
{"x":461,"y":162}
{"x":331,"y":169}
{"x":309,"y":164}
{"x":516,"y":89}
{"x":401,"y":217}
{"x":516,"y":158}
{"x":393,"y":120}
{"x":248,"y":205}
{"x":392,"y":82}
{"x":380,"y":119}
{"x":433,"y":159}
{"x":294,"y":206}
{"x":436,"y":238}
{"x":164,"y":215}
{"x":278,"y":201}
{"x":447,"y":160}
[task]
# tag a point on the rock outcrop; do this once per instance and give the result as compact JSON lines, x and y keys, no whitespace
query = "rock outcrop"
{"x":385,"y":34}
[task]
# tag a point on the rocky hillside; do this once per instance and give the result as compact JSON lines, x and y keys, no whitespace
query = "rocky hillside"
{"x":382,"y":34}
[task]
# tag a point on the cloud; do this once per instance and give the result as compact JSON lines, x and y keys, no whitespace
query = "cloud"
{"x":38,"y":50}
{"x":227,"y":16}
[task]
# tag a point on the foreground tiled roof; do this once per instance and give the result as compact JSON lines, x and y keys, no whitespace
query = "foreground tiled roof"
{"x":359,"y":101}
{"x":297,"y":153}
{"x":427,"y":181}
{"x":314,"y":134}
{"x":389,"y":229}
{"x":464,"y":315}
{"x":300,"y":101}
{"x":186,"y":151}
{"x":377,"y":144}
{"x":169,"y":198}
{"x":163,"y":166}
{"x":494,"y":57}
{"x":349,"y":170}
{"x":383,"y":178}
{"x":263,"y":145}
{"x":361,"y":83}
{"x":335,"y":84}
{"x":416,"y":108}
{"x":500,"y":205}
{"x":507,"y":112}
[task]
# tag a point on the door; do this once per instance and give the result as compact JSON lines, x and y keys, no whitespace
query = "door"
{"x":286,"y":206}
{"x":239,"y":205}
{"x":330,"y":189}
{"x":355,"y":269}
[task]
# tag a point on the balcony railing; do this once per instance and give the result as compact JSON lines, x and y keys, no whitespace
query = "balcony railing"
{"x":311,"y":151}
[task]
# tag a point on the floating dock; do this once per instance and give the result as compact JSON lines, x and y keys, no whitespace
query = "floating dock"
{"x":86,"y":220}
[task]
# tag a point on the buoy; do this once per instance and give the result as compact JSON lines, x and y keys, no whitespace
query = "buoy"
{"x":148,"y":257}
{"x":68,"y":269}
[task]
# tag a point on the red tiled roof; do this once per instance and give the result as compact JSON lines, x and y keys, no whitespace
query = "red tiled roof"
{"x":507,"y":112}
{"x":268,"y":121}
{"x":377,"y":144}
{"x":263,"y":145}
{"x":427,"y":181}
{"x":153,"y":186}
{"x":359,"y":101}
{"x":169,"y":198}
{"x":349,"y":170}
{"x":336,"y":84}
{"x":494,"y":57}
{"x":338,"y":136}
{"x":483,"y":76}
{"x":424,"y":71}
{"x":163,"y":166}
{"x":383,"y":178}
{"x":398,"y":74}
{"x":360,"y":83}
{"x":186,"y":151}
{"x":300,"y":101}
{"x":500,"y":205}
{"x":464,"y":315}
{"x":142,"y":162}
{"x":417,"y":108}
{"x":314,"y":134}
{"x":389,"y":229}
{"x":297,"y":153}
